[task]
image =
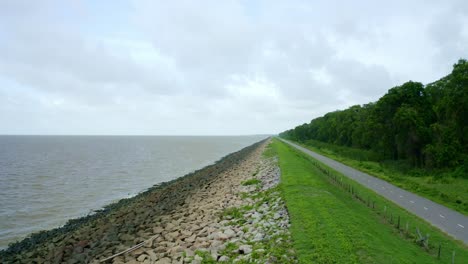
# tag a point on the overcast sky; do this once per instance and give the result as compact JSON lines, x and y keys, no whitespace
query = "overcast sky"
{"x":212,"y":67}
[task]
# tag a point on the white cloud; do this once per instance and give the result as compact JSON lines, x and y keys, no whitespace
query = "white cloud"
{"x":212,"y":67}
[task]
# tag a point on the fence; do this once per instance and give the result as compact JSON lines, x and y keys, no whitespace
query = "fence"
{"x":407,"y":231}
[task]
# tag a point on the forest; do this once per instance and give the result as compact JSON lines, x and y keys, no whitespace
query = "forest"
{"x":423,"y":125}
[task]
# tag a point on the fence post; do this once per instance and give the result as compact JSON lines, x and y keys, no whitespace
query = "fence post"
{"x":438,"y":252}
{"x":453,"y":257}
{"x":398,"y":226}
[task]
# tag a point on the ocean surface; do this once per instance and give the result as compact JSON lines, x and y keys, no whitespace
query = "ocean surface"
{"x":46,"y":180}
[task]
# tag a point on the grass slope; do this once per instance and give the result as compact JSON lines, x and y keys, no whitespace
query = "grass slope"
{"x":439,"y":186}
{"x":328,"y":226}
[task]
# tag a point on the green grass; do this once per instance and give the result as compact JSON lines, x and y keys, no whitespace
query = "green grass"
{"x":439,"y":186}
{"x":329,"y":226}
{"x":251,"y":182}
{"x":269,"y":152}
{"x":232,"y":212}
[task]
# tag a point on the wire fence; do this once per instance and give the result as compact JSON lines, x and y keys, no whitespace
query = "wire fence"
{"x":400,"y":222}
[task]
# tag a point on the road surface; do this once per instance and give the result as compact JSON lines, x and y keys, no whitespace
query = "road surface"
{"x":448,"y":220}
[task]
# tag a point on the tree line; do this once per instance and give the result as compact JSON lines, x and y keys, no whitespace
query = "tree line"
{"x":426,"y":125}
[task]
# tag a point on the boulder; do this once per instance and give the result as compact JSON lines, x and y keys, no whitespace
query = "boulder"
{"x":245,"y":249}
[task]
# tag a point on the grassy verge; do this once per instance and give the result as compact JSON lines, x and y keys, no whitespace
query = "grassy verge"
{"x":439,"y":186}
{"x":329,"y":226}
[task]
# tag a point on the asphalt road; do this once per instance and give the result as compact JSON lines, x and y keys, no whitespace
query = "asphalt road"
{"x":448,"y":220}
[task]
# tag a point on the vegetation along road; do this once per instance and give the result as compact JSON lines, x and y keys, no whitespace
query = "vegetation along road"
{"x":440,"y":216}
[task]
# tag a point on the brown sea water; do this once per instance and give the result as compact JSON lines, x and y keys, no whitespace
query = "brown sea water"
{"x":46,"y":180}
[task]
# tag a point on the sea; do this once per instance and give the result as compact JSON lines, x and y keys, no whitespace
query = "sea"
{"x":47,"y":180}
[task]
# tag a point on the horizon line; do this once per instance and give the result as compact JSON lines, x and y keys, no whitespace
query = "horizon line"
{"x":144,"y":135}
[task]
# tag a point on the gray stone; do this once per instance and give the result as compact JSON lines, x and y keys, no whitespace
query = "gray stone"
{"x":222,"y":236}
{"x":223,"y":259}
{"x":142,"y":257}
{"x":176,"y":249}
{"x":245,"y":249}
{"x":157,"y":230}
{"x":186,"y":233}
{"x":216,"y":243}
{"x":152,"y":255}
{"x":258,"y":237}
{"x":126,"y":237}
{"x":189,"y":252}
{"x":160,"y":249}
{"x":229,"y":233}
{"x":164,"y":261}
{"x":170,"y":227}
{"x":197,"y":260}
{"x":256,"y":215}
{"x":191,"y":239}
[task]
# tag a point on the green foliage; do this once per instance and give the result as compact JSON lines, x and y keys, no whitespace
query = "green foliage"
{"x":348,"y":152}
{"x":426,"y":125}
{"x":233,"y":212}
{"x":328,"y":226}
{"x":251,"y":182}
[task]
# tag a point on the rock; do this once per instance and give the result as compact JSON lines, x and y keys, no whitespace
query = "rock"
{"x":214,"y":253}
{"x":152,"y":255}
{"x":258,"y":237}
{"x":223,"y":259}
{"x":216,"y":244}
{"x":142,"y":257}
{"x":221,"y":236}
{"x":176,"y":249}
{"x":126,"y":237}
{"x":149,"y":243}
{"x":201,"y":245}
{"x":212,"y":236}
{"x":186,"y":233}
{"x":78,"y":249}
{"x":163,"y":261}
{"x":80,"y":258}
{"x":160,"y":249}
{"x":170,"y":227}
{"x":172,"y":236}
{"x":197,"y":260}
{"x":229,"y":233}
{"x":191,"y":239}
{"x":277,"y":216}
{"x":245,"y":249}
{"x":189,"y":252}
{"x":201,"y":239}
{"x":158,"y":230}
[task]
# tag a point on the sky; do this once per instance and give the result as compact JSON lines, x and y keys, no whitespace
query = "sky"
{"x":212,"y":67}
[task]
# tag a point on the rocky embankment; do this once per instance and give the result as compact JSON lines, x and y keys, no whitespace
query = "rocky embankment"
{"x":228,"y":212}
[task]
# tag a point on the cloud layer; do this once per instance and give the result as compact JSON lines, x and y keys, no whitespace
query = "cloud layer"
{"x":212,"y":67}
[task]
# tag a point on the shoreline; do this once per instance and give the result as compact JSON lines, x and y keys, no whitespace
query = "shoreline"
{"x":109,"y":222}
